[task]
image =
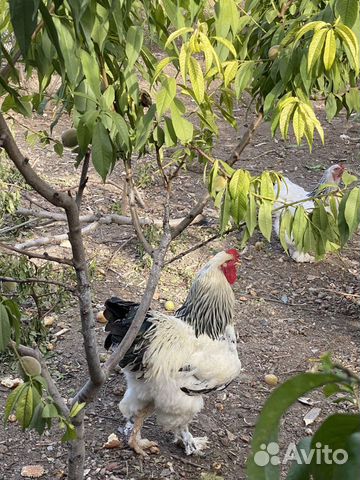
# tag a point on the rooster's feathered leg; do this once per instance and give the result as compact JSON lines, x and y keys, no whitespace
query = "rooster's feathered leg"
{"x":138,"y":444}
{"x":192,"y":445}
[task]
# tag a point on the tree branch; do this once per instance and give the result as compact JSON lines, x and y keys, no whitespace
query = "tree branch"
{"x":41,"y":241}
{"x":38,"y":280}
{"x":106,"y":219}
{"x":44,"y":256}
{"x":134,"y":215}
{"x":83,"y":179}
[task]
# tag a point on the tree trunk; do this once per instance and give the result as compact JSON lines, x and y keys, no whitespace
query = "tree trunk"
{"x":76,"y":457}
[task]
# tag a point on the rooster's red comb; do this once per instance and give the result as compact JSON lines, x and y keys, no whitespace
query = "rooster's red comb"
{"x":234,"y":253}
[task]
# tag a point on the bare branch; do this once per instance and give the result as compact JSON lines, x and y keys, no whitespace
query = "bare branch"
{"x":56,"y":239}
{"x":190,"y":217}
{"x":245,"y":140}
{"x":133,"y":211}
{"x":44,"y":256}
{"x":38,"y":280}
{"x":52,"y":388}
{"x":106,"y":219}
{"x":199,"y":245}
{"x":83,"y":179}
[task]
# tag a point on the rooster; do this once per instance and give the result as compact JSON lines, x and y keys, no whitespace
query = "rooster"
{"x":291,"y":192}
{"x":175,"y":359}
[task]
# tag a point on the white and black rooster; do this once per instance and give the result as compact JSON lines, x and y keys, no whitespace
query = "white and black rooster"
{"x":291,"y":192}
{"x":176,"y":359}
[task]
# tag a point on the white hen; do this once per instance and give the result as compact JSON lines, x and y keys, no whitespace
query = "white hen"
{"x":290,"y":192}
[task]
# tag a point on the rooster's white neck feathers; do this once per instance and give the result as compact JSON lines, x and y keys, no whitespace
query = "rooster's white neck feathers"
{"x":209,"y":305}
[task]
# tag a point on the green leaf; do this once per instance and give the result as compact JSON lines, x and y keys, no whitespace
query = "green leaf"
{"x":102,"y":150}
{"x":337,"y":433}
{"x":5,"y":330}
{"x":309,"y":26}
{"x":285,"y":117}
{"x":170,"y":135}
{"x":134,"y":41}
{"x":121,"y":129}
{"x":144,"y":128}
{"x":298,"y":125}
{"x":91,"y":71}
{"x":24,"y":20}
{"x":348,"y":179}
{"x":76,"y":408}
{"x":38,"y":423}
{"x":330,"y":107}
{"x":12,"y":400}
{"x":70,"y":433}
{"x":225,"y":212}
{"x":243,"y":78}
{"x":316,"y":47}
{"x":342,"y":224}
{"x":230,"y":72}
{"x":265,"y":219}
{"x":239,"y":190}
{"x":267,"y":186}
{"x":182,"y":127}
{"x":227,"y":44}
{"x":251,"y":213}
{"x":165,"y":95}
{"x":268,"y":422}
{"x":50,"y":411}
{"x":68,"y":50}
{"x":196,"y":79}
{"x":350,"y":40}
{"x":299,"y":226}
{"x":352,"y":210}
{"x":160,"y":67}
{"x":347,"y":10}
{"x":286,"y":221}
{"x":25,"y":406}
{"x":329,"y":50}
{"x":176,"y":34}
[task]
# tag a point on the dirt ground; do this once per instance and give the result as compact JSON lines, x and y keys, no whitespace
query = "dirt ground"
{"x":287,"y":314}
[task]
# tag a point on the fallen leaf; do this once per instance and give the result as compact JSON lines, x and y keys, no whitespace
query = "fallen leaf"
{"x":9,"y":382}
{"x":230,"y":436}
{"x":32,"y":471}
{"x":48,"y":321}
{"x":312,"y":415}
{"x":113,"y":442}
{"x":61,"y":332}
{"x":306,"y":401}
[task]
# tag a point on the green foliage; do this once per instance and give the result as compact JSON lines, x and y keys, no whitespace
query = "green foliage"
{"x":37,"y":299}
{"x":35,"y":408}
{"x":9,"y":190}
{"x":339,"y":431}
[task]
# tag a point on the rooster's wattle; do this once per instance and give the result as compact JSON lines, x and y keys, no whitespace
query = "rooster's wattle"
{"x":176,"y":359}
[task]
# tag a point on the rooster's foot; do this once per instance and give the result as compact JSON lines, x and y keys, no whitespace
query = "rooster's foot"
{"x":139,"y":445}
{"x":302,"y":257}
{"x":192,"y":445}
